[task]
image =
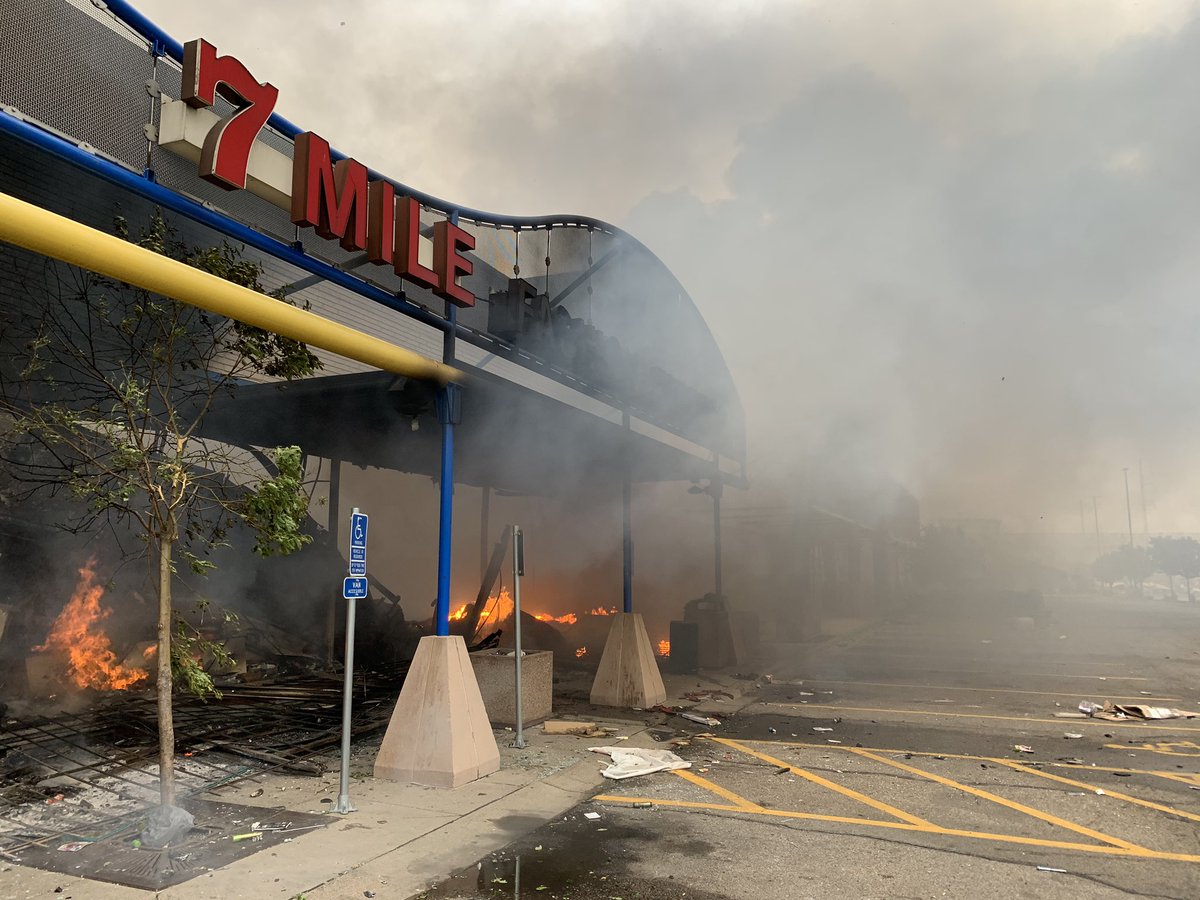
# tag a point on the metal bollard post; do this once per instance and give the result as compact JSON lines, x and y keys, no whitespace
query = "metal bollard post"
{"x":518,"y":571}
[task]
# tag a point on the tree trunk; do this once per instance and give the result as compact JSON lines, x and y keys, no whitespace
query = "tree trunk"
{"x":166,"y":721}
{"x":1188,"y":580}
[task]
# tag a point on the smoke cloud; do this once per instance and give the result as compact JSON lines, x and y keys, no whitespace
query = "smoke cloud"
{"x":946,"y":243}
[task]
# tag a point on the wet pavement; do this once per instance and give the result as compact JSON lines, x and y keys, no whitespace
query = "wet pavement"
{"x":884,"y":765}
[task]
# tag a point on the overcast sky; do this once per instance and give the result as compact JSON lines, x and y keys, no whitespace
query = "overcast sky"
{"x":952,"y":241}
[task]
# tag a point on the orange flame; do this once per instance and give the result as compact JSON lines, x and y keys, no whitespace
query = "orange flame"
{"x":77,"y":635}
{"x":459,"y":614}
{"x":581,"y":652}
{"x":601,"y":611}
{"x":568,"y":619}
{"x":664,"y":648}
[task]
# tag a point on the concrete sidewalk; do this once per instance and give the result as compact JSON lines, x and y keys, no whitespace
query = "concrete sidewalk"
{"x":402,"y":837}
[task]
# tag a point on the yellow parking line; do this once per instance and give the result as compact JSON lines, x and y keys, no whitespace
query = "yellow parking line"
{"x":826,"y":783}
{"x":1184,"y":777}
{"x":981,"y":690}
{"x":1011,"y":804}
{"x":740,"y":802}
{"x":1102,"y":849}
{"x":1149,"y":804}
{"x":951,"y":715}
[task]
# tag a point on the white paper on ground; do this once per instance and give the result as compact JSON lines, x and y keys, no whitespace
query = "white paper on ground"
{"x":630,"y":761}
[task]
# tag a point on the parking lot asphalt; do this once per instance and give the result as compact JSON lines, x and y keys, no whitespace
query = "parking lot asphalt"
{"x":918,"y":757}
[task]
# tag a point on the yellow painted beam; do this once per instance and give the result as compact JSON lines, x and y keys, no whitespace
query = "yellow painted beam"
{"x":49,"y":234}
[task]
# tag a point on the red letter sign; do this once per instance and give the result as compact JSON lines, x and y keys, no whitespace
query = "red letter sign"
{"x":448,"y":240}
{"x":408,"y":242}
{"x":330,"y":198}
{"x":226,"y":151}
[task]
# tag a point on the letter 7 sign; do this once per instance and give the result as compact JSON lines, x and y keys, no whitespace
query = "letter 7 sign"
{"x":226,"y":152}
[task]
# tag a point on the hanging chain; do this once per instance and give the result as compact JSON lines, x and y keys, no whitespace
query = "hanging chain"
{"x":517,"y":262}
{"x":548,"y":233}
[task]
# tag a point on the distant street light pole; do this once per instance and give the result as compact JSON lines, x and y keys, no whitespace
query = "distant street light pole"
{"x":1128,"y":507}
{"x":1142,"y":489}
{"x":1096,"y":515}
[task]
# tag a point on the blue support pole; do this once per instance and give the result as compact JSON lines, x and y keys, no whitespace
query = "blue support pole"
{"x":627,"y":542}
{"x":627,"y":525}
{"x":446,"y":402}
{"x":449,"y":413}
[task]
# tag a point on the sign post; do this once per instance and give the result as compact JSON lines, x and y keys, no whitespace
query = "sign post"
{"x":354,"y":588}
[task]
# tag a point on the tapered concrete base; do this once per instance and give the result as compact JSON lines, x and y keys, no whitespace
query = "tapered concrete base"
{"x":628,"y":675}
{"x":439,"y":734}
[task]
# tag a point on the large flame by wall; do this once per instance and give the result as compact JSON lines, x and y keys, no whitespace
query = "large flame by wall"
{"x":76,"y":634}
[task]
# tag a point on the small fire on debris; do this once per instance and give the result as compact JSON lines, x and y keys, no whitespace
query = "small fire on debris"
{"x":601,"y":611}
{"x":76,"y":634}
{"x":664,"y":648}
{"x":581,"y":652}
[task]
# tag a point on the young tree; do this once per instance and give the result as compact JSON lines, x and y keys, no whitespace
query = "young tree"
{"x":1177,"y":556}
{"x":1131,"y":564}
{"x":107,"y":387}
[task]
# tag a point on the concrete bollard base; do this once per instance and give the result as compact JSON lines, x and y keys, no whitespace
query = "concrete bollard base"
{"x":628,"y":675}
{"x":439,"y":734}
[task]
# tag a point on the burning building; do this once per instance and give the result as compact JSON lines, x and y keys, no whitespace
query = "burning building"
{"x":583,"y":366}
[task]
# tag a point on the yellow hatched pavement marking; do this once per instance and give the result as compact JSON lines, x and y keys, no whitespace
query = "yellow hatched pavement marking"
{"x":994,"y":798}
{"x":1122,"y":726}
{"x":1101,"y":849}
{"x":826,"y":783}
{"x":1116,"y":795}
{"x":1184,"y":777}
{"x":739,"y":801}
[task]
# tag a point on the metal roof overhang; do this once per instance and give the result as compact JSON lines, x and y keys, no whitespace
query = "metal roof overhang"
{"x":509,"y":437}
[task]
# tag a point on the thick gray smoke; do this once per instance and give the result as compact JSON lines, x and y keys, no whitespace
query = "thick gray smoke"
{"x":949,"y":242}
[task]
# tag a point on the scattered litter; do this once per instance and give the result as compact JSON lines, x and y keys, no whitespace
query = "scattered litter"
{"x":538,"y":847}
{"x":805,"y":693}
{"x":1051,"y":869}
{"x":831,"y":741}
{"x":783,"y":770}
{"x":1071,"y":760}
{"x":1022,"y":748}
{"x":1070,"y":715}
{"x":696,"y":696}
{"x":985,"y":642}
{"x":368,"y":894}
{"x":1062,"y":637}
{"x":248,"y":836}
{"x":1072,"y":735}
{"x":586,"y":729}
{"x":591,"y":815}
{"x":1119,"y":712}
{"x":73,"y":846}
{"x":702,"y":720}
{"x":1100,"y":791}
{"x":1145,"y":693}
{"x":257,"y":793}
{"x":818,"y":728}
{"x":628,"y":762}
{"x":1194,"y":787}
{"x":643,"y":804}
{"x":772,"y":731}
